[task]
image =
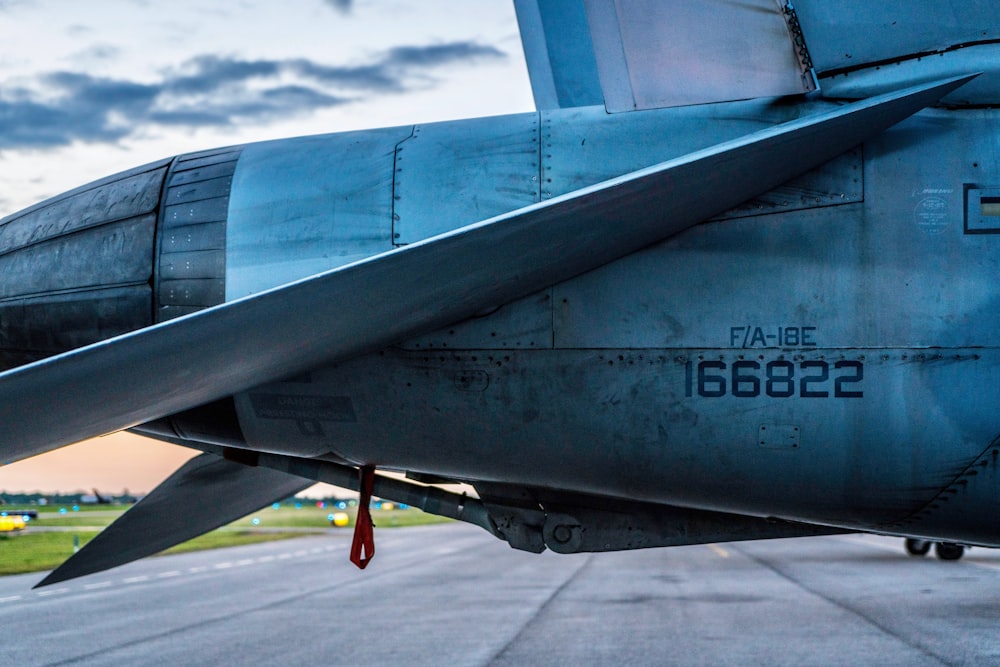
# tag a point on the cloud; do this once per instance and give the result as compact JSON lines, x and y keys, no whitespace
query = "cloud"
{"x":441,"y":54}
{"x":342,"y":6}
{"x":58,"y":108}
{"x":99,"y":52}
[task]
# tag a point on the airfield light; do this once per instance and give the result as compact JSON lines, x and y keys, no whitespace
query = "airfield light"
{"x":298,"y":506}
{"x":62,"y":510}
{"x":342,"y":505}
{"x":329,"y":517}
{"x":76,"y":508}
{"x":276,"y":506}
{"x":255,"y":521}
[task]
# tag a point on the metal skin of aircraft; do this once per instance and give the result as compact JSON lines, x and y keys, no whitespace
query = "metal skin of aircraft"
{"x":713,"y":289}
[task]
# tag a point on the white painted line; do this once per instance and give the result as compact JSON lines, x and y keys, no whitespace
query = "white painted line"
{"x":245,"y":561}
{"x":91,"y":587}
{"x":284,"y":556}
{"x":223,"y":566}
{"x":135,"y":580}
{"x":265,"y":559}
{"x":58,"y":591}
{"x":300,"y":553}
{"x":167,"y":575}
{"x":196,"y":570}
{"x":317,"y":550}
{"x":10,"y":598}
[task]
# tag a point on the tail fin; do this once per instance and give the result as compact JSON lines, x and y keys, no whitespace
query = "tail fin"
{"x":661,"y":53}
{"x":559,"y":53}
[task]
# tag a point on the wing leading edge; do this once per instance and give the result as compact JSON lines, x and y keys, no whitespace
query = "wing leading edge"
{"x":193,"y":360}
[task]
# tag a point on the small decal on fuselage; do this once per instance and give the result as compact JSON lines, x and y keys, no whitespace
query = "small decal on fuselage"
{"x":307,"y":411}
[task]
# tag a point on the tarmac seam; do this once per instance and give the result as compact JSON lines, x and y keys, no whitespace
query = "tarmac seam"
{"x":842,"y":605}
{"x":541,"y":609}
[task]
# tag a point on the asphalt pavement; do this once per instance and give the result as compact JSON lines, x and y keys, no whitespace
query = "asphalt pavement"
{"x":452,"y":594}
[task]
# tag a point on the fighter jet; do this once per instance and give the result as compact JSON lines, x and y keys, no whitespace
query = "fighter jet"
{"x":734,"y":279}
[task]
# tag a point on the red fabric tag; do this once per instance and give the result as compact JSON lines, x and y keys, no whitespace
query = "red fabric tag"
{"x":364,"y":533}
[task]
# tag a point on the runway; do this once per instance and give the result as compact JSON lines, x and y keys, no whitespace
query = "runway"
{"x":451,"y":594}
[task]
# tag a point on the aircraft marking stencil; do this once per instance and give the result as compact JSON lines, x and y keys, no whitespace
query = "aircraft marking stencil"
{"x":734,"y":279}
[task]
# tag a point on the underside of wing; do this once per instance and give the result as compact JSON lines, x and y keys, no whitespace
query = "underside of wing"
{"x":199,"y":358}
{"x":205,"y":493}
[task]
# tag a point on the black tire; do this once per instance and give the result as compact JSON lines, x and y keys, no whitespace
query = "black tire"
{"x":917,"y":547}
{"x":949,"y":550}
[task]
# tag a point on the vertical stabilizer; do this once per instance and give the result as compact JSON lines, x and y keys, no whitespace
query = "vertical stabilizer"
{"x":559,"y":53}
{"x":632,"y":55}
{"x":663,"y":53}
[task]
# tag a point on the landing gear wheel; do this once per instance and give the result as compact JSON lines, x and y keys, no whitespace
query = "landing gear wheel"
{"x":948,"y":550}
{"x":917,"y":547}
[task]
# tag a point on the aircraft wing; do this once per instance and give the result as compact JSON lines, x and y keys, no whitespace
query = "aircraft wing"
{"x":175,"y":511}
{"x":164,"y":369}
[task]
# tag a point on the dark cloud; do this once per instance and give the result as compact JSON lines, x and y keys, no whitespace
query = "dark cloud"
{"x":210,"y":90}
{"x":441,"y":54}
{"x":342,"y":6}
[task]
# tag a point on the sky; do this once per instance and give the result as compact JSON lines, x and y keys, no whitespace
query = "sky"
{"x":91,"y":88}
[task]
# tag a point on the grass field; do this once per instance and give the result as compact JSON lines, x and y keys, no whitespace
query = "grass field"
{"x":32,"y":550}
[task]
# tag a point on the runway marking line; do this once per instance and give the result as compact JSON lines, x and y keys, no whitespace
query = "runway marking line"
{"x":58,"y":591}
{"x":201,"y":568}
{"x":719,"y":551}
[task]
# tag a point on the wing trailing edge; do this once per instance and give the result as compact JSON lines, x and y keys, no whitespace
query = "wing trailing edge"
{"x":205,"y":493}
{"x":360,"y":307}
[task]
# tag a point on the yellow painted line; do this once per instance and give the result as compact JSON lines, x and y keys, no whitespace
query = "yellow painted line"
{"x":719,"y":551}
